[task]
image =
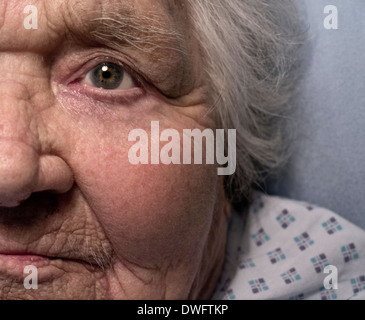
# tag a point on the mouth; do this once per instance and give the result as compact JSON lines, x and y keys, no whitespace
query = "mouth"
{"x":16,"y":265}
{"x":37,"y":233}
{"x":17,"y":260}
{"x":37,"y":271}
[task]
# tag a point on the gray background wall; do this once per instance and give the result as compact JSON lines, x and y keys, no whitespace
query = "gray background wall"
{"x":328,"y":163}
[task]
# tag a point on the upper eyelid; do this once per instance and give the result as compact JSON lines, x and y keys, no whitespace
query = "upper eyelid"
{"x":75,"y":67}
{"x":86,"y":67}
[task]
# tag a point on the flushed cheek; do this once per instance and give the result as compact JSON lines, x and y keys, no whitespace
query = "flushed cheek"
{"x":150,"y":213}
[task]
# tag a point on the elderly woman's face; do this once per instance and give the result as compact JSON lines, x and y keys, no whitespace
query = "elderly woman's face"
{"x":71,"y":203}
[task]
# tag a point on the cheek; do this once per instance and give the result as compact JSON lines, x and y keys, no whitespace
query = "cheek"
{"x":150,"y":213}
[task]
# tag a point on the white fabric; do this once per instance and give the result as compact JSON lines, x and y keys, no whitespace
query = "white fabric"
{"x":280,"y":248}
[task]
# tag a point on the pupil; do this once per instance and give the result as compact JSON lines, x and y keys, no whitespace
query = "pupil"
{"x":106,"y":74}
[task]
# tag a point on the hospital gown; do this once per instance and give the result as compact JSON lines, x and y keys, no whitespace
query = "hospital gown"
{"x":285,"y":249}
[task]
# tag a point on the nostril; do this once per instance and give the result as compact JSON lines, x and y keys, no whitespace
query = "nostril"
{"x":18,"y":172}
{"x":23,"y":172}
{"x":38,"y":206}
{"x":10,"y":203}
{"x":22,"y":201}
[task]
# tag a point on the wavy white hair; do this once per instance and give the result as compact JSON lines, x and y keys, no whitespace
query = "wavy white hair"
{"x":250,"y":48}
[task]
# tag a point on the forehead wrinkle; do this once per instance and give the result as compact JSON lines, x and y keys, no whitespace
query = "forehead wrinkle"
{"x":147,"y":36}
{"x":125,"y":27}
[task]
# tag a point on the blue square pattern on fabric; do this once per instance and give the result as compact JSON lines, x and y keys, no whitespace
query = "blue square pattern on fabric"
{"x":299,"y":296}
{"x":303,"y":241}
{"x":290,"y":276}
{"x":285,"y":219}
{"x":319,"y":262}
{"x":229,"y":295}
{"x":358,"y":284}
{"x":331,"y":226}
{"x":276,"y":255}
{"x":327,"y":294}
{"x":260,"y":237}
{"x":258,"y":285}
{"x":349,"y":252}
{"x":244,"y":262}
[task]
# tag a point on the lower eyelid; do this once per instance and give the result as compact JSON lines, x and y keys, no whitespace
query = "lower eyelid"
{"x":113,"y":97}
{"x":81,"y":102}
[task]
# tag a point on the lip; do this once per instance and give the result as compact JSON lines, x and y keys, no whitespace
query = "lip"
{"x":23,"y":242}
{"x":14,"y":262}
{"x":26,"y":257}
{"x":13,"y":266}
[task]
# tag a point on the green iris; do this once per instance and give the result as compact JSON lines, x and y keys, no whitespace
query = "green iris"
{"x":107,"y":76}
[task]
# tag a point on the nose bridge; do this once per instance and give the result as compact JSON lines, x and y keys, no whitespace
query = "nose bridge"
{"x":17,"y":115}
{"x":19,"y":145}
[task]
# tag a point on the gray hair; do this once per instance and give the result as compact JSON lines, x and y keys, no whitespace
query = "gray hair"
{"x":250,"y":48}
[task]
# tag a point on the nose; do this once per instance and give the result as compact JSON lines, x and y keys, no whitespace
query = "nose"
{"x":25,"y":167}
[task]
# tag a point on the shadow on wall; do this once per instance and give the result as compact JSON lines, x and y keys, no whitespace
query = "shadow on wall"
{"x":327,"y":165}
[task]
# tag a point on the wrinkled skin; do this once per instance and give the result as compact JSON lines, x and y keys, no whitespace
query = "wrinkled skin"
{"x":71,"y":204}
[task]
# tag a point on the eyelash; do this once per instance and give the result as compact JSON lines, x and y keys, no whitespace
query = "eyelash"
{"x":87,"y":67}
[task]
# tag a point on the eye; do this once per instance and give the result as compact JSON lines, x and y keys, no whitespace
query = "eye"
{"x":109,"y":76}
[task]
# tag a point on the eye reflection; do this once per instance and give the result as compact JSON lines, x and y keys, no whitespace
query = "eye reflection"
{"x":109,"y":76}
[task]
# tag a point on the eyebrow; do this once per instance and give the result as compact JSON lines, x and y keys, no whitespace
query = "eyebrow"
{"x":125,"y":28}
{"x":159,"y":44}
